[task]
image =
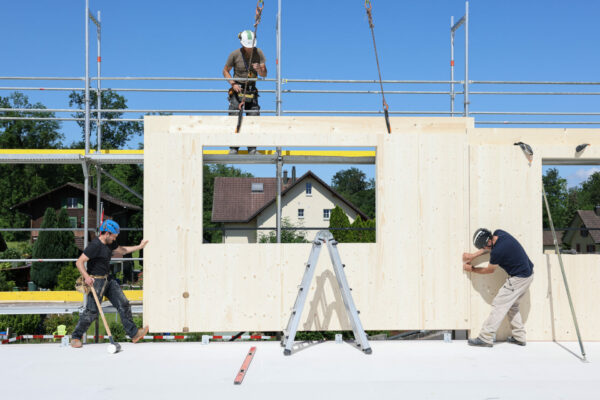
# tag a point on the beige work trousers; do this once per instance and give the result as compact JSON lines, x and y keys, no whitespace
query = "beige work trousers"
{"x":506,"y":303}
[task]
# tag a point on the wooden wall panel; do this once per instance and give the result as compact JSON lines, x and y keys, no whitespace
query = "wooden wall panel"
{"x":438,"y":179}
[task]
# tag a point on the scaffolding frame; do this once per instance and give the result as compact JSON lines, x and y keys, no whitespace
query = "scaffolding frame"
{"x":99,"y":157}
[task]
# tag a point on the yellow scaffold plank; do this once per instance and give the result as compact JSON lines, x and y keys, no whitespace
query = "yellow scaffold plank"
{"x":66,"y":151}
{"x":323,"y":153}
{"x":58,"y":296}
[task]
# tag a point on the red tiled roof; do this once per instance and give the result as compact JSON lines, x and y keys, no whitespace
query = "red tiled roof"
{"x":233,"y":200}
{"x":549,"y":240}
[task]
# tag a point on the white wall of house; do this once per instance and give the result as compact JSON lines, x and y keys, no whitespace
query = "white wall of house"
{"x":313,"y":205}
{"x":240,"y":236}
{"x":580,"y":241}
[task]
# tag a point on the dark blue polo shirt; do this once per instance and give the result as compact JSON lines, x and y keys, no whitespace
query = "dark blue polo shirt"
{"x":510,"y":255}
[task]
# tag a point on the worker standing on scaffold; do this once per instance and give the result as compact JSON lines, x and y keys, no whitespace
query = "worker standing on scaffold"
{"x":248,"y":58}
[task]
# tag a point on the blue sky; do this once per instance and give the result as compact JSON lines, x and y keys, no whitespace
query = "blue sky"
{"x":533,"y":40}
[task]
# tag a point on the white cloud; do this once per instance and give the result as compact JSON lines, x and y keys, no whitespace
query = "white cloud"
{"x":581,"y":175}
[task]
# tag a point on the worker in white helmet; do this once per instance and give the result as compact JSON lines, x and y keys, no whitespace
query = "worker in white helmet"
{"x":251,"y":59}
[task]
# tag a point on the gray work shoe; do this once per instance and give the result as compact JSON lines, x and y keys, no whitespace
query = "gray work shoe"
{"x":233,"y":150}
{"x":251,"y":151}
{"x":512,"y":340}
{"x":479,"y":343}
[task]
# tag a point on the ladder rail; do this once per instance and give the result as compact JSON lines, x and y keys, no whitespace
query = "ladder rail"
{"x":324,"y":237}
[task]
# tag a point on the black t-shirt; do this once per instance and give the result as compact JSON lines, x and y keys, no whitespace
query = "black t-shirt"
{"x":99,"y":255}
{"x":510,"y":255}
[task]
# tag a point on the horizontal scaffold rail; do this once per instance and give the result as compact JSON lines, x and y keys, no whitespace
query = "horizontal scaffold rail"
{"x":71,"y":156}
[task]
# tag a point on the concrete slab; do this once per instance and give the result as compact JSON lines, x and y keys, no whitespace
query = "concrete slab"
{"x":411,"y":370}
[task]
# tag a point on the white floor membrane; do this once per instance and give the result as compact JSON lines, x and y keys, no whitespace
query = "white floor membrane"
{"x":403,"y":370}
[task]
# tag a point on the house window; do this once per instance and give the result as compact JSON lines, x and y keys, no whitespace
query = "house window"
{"x":74,"y":202}
{"x":308,"y":189}
{"x":584,"y":232}
{"x":591,"y":248}
{"x":578,"y":248}
{"x":73,"y":222}
{"x":257,"y":187}
{"x":301,"y":213}
{"x":326,"y":213}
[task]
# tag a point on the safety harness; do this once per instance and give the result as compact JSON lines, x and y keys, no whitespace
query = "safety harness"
{"x":259,"y":8}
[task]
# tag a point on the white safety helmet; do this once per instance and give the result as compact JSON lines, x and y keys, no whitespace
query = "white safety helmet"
{"x":247,"y":39}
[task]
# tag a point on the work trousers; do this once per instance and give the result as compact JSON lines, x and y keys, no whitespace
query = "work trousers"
{"x":118,"y":300}
{"x":506,"y":303}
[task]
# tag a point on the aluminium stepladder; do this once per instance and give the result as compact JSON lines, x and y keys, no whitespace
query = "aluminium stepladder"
{"x":324,"y":237}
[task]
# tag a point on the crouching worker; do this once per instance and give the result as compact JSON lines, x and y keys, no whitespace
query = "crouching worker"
{"x":97,"y":255}
{"x":507,"y":253}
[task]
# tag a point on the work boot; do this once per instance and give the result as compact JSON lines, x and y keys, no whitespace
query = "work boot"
{"x":233,"y":150}
{"x":140,"y":334}
{"x":479,"y":343}
{"x":251,"y":151}
{"x":512,"y":340}
{"x":76,"y":343}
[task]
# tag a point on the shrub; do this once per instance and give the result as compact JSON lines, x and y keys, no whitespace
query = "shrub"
{"x":22,"y":324}
{"x":67,"y":277}
{"x":54,"y":320}
{"x":117,"y":330}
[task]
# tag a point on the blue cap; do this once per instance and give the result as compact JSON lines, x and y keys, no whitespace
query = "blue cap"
{"x":110,"y":226}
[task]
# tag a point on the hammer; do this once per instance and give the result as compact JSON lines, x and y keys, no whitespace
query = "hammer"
{"x":113,"y":347}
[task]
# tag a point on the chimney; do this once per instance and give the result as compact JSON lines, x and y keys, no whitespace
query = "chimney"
{"x":597,"y":210}
{"x":285,"y":177}
{"x":293,"y":175}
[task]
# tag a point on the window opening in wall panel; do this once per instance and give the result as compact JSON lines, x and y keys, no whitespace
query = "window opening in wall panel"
{"x":573,"y":193}
{"x":239,"y":194}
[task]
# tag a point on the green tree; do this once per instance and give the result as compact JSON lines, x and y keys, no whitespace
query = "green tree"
{"x":115,"y":134}
{"x":558,"y":195}
{"x":210,"y":172}
{"x":353,"y":185}
{"x":287,"y":235}
{"x":44,"y":274}
{"x":339,"y":219}
{"x":364,"y":232}
{"x":350,"y":180}
{"x":589,"y":193}
{"x":20,"y":182}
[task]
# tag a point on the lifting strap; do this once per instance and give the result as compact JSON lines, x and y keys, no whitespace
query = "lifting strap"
{"x":259,"y":7}
{"x":369,"y":7}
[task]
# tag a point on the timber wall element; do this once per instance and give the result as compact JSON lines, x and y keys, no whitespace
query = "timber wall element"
{"x":438,"y":179}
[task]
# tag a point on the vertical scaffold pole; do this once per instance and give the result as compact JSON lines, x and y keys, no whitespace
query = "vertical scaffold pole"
{"x":278,"y":61}
{"x":466,"y":96}
{"x":98,"y":124}
{"x":562,"y":270}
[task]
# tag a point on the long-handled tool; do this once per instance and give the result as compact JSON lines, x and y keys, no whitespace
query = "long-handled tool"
{"x":113,"y":347}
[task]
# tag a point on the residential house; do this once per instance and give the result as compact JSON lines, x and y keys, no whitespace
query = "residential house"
{"x":249,"y":204}
{"x":549,"y":242}
{"x":581,"y":237}
{"x":70,"y":196}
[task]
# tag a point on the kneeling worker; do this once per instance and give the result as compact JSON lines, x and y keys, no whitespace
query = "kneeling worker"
{"x":97,"y":255}
{"x":506,"y":252}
